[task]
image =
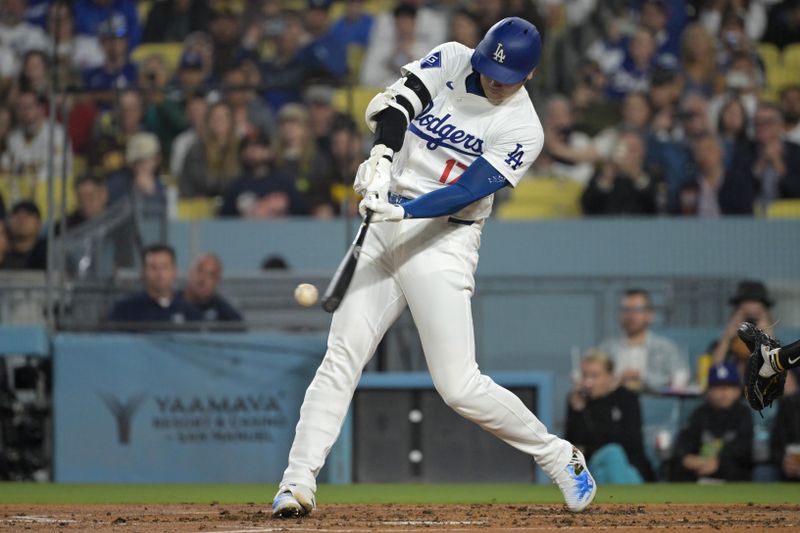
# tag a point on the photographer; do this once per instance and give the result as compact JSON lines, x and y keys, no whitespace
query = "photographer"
{"x":751,"y":303}
{"x":622,"y":187}
{"x":604,"y":420}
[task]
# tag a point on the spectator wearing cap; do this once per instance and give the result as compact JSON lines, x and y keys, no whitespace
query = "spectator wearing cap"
{"x":159,"y":301}
{"x":785,"y":435}
{"x":604,"y":420}
{"x":91,"y":14}
{"x":139,"y":180}
{"x":28,"y":248}
{"x":28,"y":147}
{"x":354,"y":26}
{"x":16,"y":33}
{"x":193,"y":73}
{"x":195,"y":110}
{"x":225,"y":30}
{"x":201,"y":291}
{"x":172,"y":20}
{"x":284,"y":75}
{"x":117,"y":72}
{"x":251,"y":117}
{"x":324,"y":57}
{"x":212,"y":162}
{"x":764,"y":170}
{"x":298,"y":156}
{"x":383,"y":59}
{"x":750,"y":303}
{"x":717,"y":442}
{"x":260,"y":192}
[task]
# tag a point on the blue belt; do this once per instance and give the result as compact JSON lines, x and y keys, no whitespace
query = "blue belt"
{"x":399,"y":200}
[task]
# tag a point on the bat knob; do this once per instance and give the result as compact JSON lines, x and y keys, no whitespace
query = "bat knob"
{"x":331,"y":304}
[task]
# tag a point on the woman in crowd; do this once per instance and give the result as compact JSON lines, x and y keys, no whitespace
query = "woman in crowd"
{"x":213,"y":161}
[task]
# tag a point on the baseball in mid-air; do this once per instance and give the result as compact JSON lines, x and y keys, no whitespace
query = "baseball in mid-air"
{"x":306,"y":294}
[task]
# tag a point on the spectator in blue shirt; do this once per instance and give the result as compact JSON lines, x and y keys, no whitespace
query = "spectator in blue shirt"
{"x":117,"y":72}
{"x":159,"y":301}
{"x":89,"y":14}
{"x":634,"y":73}
{"x":354,"y":27}
{"x":325,"y":56}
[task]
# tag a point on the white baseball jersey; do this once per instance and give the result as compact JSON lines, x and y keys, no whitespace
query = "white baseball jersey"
{"x":457,"y":127}
{"x":428,"y":265}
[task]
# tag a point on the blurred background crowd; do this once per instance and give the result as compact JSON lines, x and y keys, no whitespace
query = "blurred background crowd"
{"x":227,"y":108}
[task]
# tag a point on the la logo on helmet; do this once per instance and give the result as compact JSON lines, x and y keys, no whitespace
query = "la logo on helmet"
{"x":499,"y":54}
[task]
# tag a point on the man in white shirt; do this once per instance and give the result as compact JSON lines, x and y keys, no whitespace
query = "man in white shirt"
{"x":28,"y":144}
{"x":642,"y":359}
{"x":17,"y":34}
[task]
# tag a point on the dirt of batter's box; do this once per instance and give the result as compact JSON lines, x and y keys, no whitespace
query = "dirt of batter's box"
{"x":256,"y":518}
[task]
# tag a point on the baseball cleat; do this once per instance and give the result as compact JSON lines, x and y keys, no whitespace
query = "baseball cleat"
{"x":576,"y":483}
{"x":293,"y":501}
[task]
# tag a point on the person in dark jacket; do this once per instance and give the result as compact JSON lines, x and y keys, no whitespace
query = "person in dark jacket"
{"x":604,"y":420}
{"x":158,"y":302}
{"x":717,"y":443}
{"x":762,"y":171}
{"x":622,"y":187}
{"x":201,"y":290}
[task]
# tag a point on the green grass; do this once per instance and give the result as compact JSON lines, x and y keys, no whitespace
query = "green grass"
{"x":32,"y":493}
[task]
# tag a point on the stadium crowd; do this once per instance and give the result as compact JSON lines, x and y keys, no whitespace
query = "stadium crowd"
{"x":252,"y":109}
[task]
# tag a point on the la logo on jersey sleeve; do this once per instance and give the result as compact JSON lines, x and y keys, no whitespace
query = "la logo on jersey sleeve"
{"x":514,"y":159}
{"x":432,"y":61}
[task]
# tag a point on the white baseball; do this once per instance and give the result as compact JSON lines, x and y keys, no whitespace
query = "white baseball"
{"x":306,"y":294}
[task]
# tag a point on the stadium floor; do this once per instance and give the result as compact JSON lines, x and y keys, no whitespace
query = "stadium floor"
{"x":398,"y":508}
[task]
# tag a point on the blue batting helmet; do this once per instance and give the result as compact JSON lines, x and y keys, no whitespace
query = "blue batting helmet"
{"x":509,"y":51}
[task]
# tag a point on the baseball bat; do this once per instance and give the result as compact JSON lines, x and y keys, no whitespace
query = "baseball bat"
{"x":344,"y":272}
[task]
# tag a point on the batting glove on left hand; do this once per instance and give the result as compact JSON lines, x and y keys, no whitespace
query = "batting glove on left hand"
{"x":374,"y":174}
{"x":382,"y":210}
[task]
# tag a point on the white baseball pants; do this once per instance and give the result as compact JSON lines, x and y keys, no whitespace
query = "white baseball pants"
{"x":429,"y":265}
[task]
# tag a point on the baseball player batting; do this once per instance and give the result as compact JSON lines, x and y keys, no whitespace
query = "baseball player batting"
{"x":454,"y":129}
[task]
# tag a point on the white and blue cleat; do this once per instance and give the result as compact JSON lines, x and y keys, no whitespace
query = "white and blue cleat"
{"x":576,"y":483}
{"x":293,"y":501}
